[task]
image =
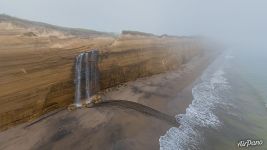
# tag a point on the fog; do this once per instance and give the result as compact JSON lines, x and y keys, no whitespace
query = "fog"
{"x":231,"y":21}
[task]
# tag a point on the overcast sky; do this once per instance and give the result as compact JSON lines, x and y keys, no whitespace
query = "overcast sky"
{"x":225,"y":19}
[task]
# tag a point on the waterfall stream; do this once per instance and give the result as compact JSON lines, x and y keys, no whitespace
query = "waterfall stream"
{"x":86,"y":77}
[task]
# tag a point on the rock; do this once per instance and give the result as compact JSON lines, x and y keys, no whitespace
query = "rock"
{"x":72,"y":107}
{"x":96,"y":99}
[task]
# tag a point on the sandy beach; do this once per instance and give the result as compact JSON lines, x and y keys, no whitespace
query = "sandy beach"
{"x":113,"y":127}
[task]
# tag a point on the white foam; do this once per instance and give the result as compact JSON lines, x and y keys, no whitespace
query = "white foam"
{"x":199,"y":114}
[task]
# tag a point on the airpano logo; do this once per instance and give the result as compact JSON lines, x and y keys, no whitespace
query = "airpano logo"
{"x":249,"y":143}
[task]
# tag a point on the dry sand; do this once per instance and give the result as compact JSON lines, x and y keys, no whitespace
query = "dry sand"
{"x":112,"y":127}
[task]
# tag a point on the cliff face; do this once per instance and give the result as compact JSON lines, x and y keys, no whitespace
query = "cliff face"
{"x":37,"y":64}
{"x":130,"y":57}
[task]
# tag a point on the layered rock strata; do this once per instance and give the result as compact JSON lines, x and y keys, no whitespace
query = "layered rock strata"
{"x":37,"y":63}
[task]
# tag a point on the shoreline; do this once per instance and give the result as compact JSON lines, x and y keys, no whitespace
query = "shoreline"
{"x":114,"y":127}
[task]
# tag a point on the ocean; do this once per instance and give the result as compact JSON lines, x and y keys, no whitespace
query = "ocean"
{"x":228,"y":107}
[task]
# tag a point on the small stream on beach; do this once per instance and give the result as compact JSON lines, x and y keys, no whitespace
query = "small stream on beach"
{"x":229,"y":106}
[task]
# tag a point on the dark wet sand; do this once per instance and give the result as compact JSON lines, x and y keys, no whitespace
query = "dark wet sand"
{"x":113,"y":127}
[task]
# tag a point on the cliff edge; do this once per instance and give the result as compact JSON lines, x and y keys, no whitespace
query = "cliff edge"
{"x":37,"y":63}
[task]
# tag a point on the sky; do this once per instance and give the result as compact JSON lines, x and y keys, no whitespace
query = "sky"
{"x":230,"y":20}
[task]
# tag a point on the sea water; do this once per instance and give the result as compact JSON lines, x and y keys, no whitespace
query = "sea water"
{"x":228,"y":106}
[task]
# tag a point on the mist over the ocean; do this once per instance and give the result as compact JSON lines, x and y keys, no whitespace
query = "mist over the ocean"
{"x":251,"y":62}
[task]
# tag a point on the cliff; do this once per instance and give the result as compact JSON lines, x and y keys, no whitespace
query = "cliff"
{"x":37,"y":63}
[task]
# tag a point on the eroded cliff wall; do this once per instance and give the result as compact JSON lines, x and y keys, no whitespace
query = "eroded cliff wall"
{"x":37,"y":71}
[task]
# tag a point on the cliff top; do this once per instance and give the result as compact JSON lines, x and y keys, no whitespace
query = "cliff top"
{"x":37,"y":28}
{"x":34,"y":28}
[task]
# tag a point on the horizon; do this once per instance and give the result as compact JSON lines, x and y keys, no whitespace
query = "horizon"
{"x":236,"y":21}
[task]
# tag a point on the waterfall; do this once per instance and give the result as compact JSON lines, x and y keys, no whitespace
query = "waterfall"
{"x":77,"y":81}
{"x":86,"y":77}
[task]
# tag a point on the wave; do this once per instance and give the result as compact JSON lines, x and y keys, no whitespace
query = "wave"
{"x":208,"y":95}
